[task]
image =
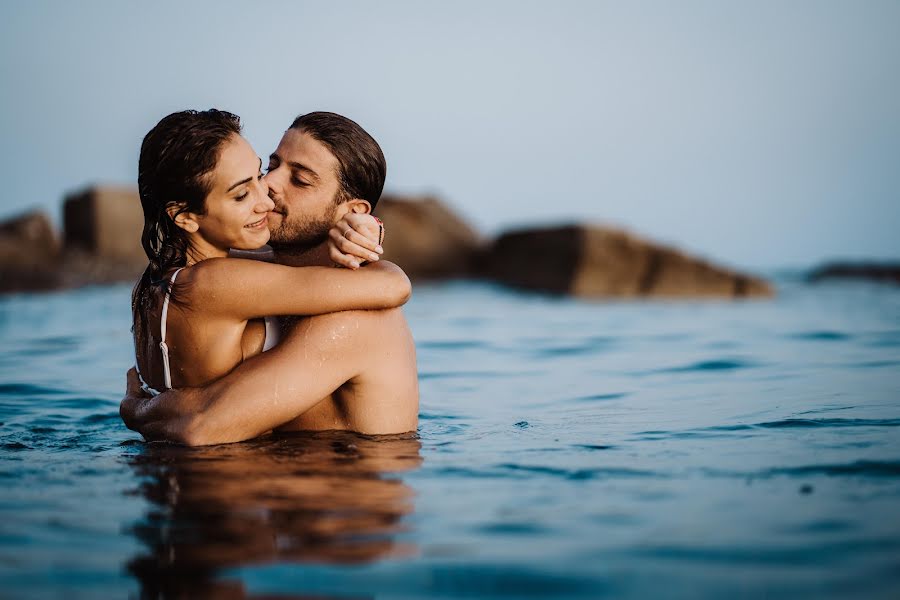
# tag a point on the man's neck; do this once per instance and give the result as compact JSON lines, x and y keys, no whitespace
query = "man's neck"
{"x":317,"y":256}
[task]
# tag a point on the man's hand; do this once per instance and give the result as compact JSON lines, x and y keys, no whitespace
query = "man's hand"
{"x":355,"y":239}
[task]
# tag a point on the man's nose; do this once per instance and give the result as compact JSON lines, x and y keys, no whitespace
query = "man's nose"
{"x":265,"y":203}
{"x":272,"y":180}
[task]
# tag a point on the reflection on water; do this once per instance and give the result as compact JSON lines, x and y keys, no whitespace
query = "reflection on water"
{"x":329,"y":497}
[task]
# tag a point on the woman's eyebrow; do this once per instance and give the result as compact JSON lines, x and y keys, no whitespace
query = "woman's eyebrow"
{"x":243,"y":181}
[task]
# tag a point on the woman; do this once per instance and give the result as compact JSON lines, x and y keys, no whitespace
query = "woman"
{"x":197,"y":313}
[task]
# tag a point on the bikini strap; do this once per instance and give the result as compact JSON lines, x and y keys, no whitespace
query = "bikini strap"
{"x":167,"y":374}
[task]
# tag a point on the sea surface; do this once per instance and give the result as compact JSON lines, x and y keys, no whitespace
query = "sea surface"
{"x":566,"y":449}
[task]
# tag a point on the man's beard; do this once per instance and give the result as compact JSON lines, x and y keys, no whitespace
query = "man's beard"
{"x":300,"y":235}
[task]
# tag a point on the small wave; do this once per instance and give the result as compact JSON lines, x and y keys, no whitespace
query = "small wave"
{"x":594,"y":446}
{"x":41,"y":429}
{"x":722,"y":430}
{"x":885,"y":339}
{"x":600,"y":397}
{"x":875,"y":364}
{"x":464,"y":472}
{"x":27,"y":389}
{"x":101,"y":418}
{"x":868,"y":468}
{"x":48,"y":346}
{"x":426,"y":416}
{"x":81,"y":402}
{"x":805,"y":423}
{"x":424,"y":375}
{"x":579,"y":474}
{"x":563,"y":350}
{"x":820,"y":336}
{"x":860,"y":468}
{"x":768,"y":555}
{"x":450,"y":345}
{"x":707,"y":365}
{"x":826,"y":409}
{"x":15,"y":446}
{"x":513,"y":528}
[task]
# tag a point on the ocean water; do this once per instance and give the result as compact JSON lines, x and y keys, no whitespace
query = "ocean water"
{"x":565,"y":449}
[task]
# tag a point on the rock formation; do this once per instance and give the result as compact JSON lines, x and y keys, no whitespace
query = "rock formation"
{"x":597,"y":262}
{"x":883,"y":272}
{"x":429,"y":241}
{"x":29,"y":253}
{"x":106,"y":222}
{"x":426,"y":239}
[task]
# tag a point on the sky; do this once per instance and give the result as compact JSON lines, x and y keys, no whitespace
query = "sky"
{"x":758,"y":134}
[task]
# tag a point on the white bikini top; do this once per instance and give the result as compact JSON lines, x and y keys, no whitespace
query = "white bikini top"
{"x":272,"y":334}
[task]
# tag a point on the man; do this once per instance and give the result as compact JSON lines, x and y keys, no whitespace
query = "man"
{"x":353,"y":370}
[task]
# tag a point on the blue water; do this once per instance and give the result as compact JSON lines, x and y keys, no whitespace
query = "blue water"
{"x":565,"y":449}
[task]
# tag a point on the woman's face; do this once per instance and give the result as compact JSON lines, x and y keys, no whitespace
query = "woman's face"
{"x":238,"y":202}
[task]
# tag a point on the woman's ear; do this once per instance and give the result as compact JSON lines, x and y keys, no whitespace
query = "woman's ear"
{"x":184,"y":219}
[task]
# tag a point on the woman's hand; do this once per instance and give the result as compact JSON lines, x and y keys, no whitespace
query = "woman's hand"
{"x":355,"y":239}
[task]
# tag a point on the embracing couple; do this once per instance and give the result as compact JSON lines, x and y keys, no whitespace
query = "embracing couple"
{"x":210,"y":367}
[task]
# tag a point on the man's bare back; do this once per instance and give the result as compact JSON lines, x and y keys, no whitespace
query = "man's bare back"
{"x":383,"y":398}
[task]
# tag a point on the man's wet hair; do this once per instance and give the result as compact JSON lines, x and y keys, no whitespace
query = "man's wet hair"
{"x":362,"y":168}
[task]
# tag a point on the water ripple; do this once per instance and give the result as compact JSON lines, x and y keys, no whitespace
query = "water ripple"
{"x":781,"y":424}
{"x":28,"y":389}
{"x":821,"y":336}
{"x":706,"y":366}
{"x":867,"y":468}
{"x":600,"y":397}
{"x":789,"y":423}
{"x":579,"y":474}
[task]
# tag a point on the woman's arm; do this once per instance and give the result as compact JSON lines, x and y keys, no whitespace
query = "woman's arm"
{"x":247,"y":289}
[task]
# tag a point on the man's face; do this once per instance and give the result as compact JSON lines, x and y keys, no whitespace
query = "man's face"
{"x":302,"y":180}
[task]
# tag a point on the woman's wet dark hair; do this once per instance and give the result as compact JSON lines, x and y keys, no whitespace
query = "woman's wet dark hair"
{"x":177,"y":156}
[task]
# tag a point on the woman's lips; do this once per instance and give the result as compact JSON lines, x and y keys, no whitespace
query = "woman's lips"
{"x":258,"y":224}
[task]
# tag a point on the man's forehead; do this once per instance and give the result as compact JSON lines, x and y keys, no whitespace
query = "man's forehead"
{"x":300,"y":147}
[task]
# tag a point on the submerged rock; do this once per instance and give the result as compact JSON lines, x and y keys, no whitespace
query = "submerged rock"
{"x":883,"y":272}
{"x":426,"y":239}
{"x":594,"y":261}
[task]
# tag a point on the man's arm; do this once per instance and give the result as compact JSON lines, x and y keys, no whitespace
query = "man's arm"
{"x":320,"y":355}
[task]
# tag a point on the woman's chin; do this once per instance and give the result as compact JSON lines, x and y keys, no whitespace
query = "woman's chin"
{"x":254,"y":242}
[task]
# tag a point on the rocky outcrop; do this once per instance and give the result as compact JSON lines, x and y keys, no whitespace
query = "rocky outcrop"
{"x":29,"y":253}
{"x":105,"y":222}
{"x":429,"y":241}
{"x":598,"y":262}
{"x":101,"y":243}
{"x":426,"y":239}
{"x":882,"y":272}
